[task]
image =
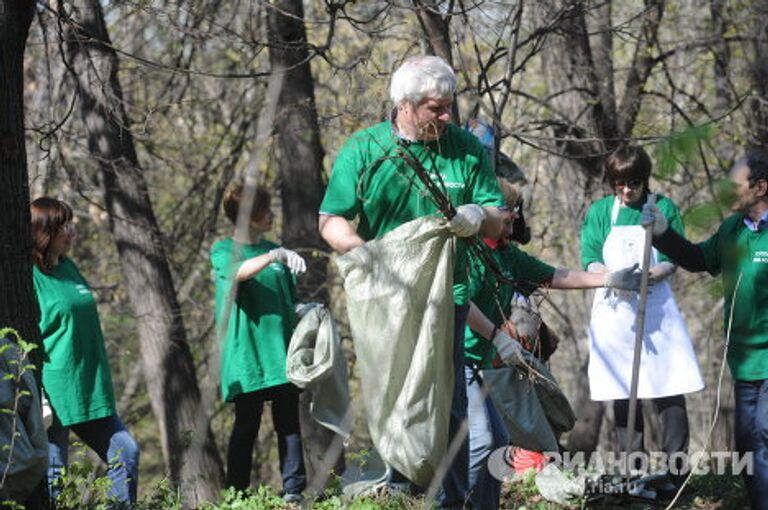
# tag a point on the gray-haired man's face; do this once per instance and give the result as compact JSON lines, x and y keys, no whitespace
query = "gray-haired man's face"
{"x":425,"y":120}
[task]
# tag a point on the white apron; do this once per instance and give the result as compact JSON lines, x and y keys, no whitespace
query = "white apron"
{"x":668,"y":364}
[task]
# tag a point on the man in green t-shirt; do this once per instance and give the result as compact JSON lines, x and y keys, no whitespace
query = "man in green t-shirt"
{"x":371,"y":183}
{"x":738,"y":250}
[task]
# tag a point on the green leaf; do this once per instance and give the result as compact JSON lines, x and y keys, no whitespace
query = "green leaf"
{"x":679,"y":148}
{"x":702,"y":216}
{"x":726,"y":193}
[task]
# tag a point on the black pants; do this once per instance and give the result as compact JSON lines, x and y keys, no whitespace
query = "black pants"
{"x":674,"y":427}
{"x":285,"y":415}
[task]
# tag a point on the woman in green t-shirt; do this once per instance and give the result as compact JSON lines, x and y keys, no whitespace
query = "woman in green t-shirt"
{"x":76,"y":376}
{"x":255,"y":318}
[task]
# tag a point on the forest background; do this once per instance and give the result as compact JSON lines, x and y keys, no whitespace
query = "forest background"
{"x":139,"y":113}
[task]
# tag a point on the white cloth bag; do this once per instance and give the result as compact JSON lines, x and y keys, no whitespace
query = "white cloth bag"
{"x":399,"y":291}
{"x":315,"y":362}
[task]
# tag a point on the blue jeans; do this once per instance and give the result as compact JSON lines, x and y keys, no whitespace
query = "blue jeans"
{"x":285,"y":416}
{"x":455,"y":487}
{"x":111,"y":441}
{"x":752,"y":436}
{"x":486,"y":433}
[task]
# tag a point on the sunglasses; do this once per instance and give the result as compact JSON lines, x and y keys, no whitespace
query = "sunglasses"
{"x":517,"y":208}
{"x":631,"y":184}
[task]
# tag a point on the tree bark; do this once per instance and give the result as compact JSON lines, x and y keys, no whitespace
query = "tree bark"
{"x":722,"y":56}
{"x":189,"y":450}
{"x":300,"y":160}
{"x":299,"y":151}
{"x":758,"y":103}
{"x":572,"y":79}
{"x":18,"y":305}
{"x":602,"y":49}
{"x":435,"y":29}
{"x":585,"y":435}
{"x":642,"y":65}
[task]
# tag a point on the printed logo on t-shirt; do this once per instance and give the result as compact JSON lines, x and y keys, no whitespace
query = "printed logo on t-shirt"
{"x":82,"y":289}
{"x":760,"y":257}
{"x":448,"y":184}
{"x":277,"y":266}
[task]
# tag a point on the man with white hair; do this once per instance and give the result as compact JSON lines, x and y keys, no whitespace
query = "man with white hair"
{"x":372,"y":183}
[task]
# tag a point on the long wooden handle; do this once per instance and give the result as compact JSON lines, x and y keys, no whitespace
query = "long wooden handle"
{"x":639,"y":330}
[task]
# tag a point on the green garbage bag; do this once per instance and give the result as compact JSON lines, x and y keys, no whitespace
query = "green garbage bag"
{"x":531,"y":404}
{"x":399,"y":291}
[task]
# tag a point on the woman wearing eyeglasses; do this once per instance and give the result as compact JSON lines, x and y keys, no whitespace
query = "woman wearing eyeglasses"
{"x":76,"y":375}
{"x":612,"y":237}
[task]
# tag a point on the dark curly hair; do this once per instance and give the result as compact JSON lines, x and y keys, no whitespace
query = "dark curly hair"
{"x":757,"y":162}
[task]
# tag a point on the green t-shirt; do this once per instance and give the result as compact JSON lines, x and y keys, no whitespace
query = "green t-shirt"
{"x":260,"y":322}
{"x":515,"y":264}
{"x":732,"y":250}
{"x":370,"y":182}
{"x":76,"y":374}
{"x":597,"y":225}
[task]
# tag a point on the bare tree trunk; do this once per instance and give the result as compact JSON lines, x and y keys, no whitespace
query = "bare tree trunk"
{"x":190,"y":453}
{"x":602,"y":49}
{"x":300,"y":154}
{"x":585,"y":435}
{"x":18,"y":306}
{"x":758,"y":103}
{"x":300,"y":159}
{"x":642,"y":64}
{"x":722,"y":56}
{"x":572,"y":79}
{"x":435,"y":29}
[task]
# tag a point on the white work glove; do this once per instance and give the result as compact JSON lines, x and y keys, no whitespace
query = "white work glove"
{"x":624,"y":279}
{"x":510,"y":351}
{"x":468,"y":219}
{"x":290,"y":259}
{"x":47,"y":410}
{"x":661,"y":271}
{"x":652,"y":215}
{"x":302,"y":309}
{"x":526,"y":320}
